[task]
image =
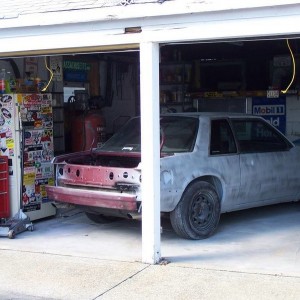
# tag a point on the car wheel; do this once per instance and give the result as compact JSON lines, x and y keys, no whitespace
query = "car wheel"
{"x":11,"y":234}
{"x":100,"y":219}
{"x":197,"y":214}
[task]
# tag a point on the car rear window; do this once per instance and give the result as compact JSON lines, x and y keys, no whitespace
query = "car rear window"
{"x":178,"y":134}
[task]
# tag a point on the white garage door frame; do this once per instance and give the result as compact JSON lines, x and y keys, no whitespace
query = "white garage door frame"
{"x":207,"y":27}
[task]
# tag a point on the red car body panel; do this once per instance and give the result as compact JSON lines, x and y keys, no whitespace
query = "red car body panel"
{"x":96,"y":185}
{"x":114,"y":200}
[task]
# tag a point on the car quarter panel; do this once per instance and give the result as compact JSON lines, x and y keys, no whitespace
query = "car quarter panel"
{"x":179,"y":170}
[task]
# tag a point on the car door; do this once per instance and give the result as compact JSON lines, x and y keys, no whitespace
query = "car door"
{"x":224,"y":160}
{"x":265,"y":161}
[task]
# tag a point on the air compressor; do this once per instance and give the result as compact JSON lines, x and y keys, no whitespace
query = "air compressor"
{"x":88,"y":128}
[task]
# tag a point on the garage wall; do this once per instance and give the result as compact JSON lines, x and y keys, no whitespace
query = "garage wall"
{"x":292,"y":111}
{"x":123,"y":86}
{"x":293,"y":117}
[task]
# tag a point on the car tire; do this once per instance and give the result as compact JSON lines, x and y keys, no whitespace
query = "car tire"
{"x":101,"y":219}
{"x":197,"y":214}
{"x":11,"y":234}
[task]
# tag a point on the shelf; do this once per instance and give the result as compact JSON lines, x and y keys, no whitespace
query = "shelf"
{"x":175,"y":78}
{"x":176,"y":103}
{"x":177,"y":72}
{"x":58,"y":122}
{"x":175,"y":83}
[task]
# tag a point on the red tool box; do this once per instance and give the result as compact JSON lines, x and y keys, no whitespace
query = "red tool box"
{"x":4,"y":190}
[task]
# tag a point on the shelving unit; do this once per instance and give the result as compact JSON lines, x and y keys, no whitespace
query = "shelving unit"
{"x":58,"y":123}
{"x":175,"y":80}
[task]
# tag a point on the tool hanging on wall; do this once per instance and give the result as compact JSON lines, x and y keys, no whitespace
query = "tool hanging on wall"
{"x":121,"y":71}
{"x":109,"y":94}
{"x":294,"y":67}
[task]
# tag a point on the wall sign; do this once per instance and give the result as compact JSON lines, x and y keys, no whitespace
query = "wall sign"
{"x":76,"y":71}
{"x":75,"y":65}
{"x":271,"y":109}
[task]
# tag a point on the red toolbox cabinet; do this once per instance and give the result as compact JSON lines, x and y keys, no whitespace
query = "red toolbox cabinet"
{"x":4,"y":188}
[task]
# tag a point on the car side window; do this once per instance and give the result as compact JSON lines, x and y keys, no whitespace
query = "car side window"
{"x":221,"y":138}
{"x":258,"y":136}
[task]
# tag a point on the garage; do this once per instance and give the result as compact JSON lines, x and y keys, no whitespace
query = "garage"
{"x":114,"y":67}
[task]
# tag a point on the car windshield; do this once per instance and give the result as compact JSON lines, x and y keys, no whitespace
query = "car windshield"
{"x":177,"y":134}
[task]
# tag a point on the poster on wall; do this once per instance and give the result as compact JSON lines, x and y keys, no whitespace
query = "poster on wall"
{"x":56,"y":67}
{"x":31,"y":66}
{"x":271,"y":109}
{"x":6,"y":122}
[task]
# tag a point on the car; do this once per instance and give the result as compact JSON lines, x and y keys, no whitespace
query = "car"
{"x":210,"y":163}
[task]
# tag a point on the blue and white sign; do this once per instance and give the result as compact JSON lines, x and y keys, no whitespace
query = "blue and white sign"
{"x":272,"y":109}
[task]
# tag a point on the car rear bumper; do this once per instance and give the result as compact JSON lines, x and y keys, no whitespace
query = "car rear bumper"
{"x":113,"y":200}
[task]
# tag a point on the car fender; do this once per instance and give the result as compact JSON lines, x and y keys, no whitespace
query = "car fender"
{"x":175,"y":179}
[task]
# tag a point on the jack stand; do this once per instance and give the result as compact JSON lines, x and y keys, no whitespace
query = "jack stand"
{"x":17,"y":224}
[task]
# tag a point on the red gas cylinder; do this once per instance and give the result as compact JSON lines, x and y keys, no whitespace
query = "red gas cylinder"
{"x":88,"y":131}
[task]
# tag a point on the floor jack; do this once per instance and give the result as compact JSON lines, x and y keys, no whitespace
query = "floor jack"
{"x":17,"y":224}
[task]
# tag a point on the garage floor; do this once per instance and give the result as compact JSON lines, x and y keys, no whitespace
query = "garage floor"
{"x":264,"y":240}
{"x":254,"y":255}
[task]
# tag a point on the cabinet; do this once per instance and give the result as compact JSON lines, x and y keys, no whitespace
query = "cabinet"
{"x":4,"y":191}
{"x":58,"y":123}
{"x":175,"y":79}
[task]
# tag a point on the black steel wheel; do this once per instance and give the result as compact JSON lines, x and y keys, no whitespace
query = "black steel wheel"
{"x":197,"y":214}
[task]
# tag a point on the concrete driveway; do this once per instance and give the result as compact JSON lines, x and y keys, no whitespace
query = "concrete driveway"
{"x":258,"y":249}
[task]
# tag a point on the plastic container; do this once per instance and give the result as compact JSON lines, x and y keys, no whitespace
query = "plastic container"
{"x":7,"y":83}
{"x":11,"y":83}
{"x":2,"y":81}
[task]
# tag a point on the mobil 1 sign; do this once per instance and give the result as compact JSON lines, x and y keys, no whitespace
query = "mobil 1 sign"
{"x":272,"y":109}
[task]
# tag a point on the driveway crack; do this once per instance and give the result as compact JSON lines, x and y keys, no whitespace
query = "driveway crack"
{"x":121,"y":282}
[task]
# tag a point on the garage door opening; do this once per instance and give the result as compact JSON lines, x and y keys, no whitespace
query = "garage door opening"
{"x":240,"y":76}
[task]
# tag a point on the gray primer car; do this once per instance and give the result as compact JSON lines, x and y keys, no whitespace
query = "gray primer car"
{"x":210,"y":163}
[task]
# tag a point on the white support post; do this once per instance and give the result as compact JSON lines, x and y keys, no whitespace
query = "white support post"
{"x":149,"y":69}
